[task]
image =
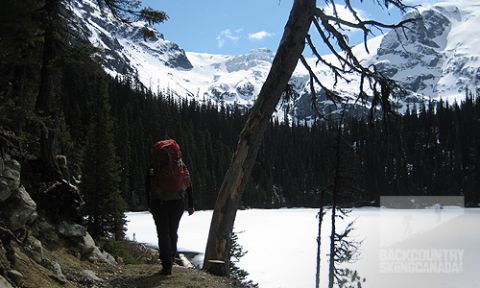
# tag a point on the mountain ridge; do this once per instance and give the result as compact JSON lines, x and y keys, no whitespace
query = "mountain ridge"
{"x":435,"y":58}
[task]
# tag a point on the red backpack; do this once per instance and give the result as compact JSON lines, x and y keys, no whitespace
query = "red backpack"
{"x":170,"y":175}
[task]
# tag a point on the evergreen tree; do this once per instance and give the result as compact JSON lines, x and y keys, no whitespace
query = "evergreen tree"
{"x":19,"y":50}
{"x":129,"y":11}
{"x":104,"y":206}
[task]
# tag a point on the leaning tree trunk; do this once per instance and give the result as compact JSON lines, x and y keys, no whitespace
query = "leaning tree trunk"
{"x":217,"y":254}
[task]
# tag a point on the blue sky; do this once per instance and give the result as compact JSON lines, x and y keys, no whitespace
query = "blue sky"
{"x":237,"y":26}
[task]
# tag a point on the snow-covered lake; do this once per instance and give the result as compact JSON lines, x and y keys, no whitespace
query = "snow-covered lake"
{"x":400,"y":248}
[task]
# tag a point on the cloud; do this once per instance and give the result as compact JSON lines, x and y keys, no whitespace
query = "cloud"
{"x":344,"y":13}
{"x":259,"y":35}
{"x":420,"y":2}
{"x":228,"y":35}
{"x":425,"y":4}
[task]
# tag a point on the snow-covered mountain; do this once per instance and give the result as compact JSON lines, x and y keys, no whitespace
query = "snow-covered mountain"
{"x":438,"y":57}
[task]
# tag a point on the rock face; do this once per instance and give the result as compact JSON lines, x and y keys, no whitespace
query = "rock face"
{"x":17,"y":212}
{"x":46,"y":232}
{"x":99,"y":27}
{"x":21,"y":209}
{"x":71,"y":229}
{"x":432,"y":57}
{"x":18,"y":208}
{"x":19,"y":220}
{"x":9,"y":176}
{"x":255,"y":58}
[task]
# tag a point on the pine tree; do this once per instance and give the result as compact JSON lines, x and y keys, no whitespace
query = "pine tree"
{"x":19,"y":49}
{"x":129,"y":11}
{"x":104,"y":206}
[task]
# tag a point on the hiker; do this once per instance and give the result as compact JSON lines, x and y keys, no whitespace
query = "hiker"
{"x":168,"y":184}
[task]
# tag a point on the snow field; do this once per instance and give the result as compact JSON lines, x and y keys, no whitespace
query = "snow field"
{"x":400,"y":248}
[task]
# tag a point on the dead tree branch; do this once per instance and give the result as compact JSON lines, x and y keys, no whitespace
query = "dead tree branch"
{"x":332,"y":28}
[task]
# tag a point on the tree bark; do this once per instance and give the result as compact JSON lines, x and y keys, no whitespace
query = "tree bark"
{"x":289,"y":51}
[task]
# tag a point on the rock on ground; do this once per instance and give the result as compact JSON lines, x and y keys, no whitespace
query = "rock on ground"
{"x":71,"y":229}
{"x":4,"y":283}
{"x":21,"y":210}
{"x":89,"y":277}
{"x":9,"y":176}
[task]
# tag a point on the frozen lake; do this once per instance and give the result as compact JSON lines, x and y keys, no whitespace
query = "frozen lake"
{"x":400,"y":248}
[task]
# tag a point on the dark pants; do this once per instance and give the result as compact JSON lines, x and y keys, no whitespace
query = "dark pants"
{"x":167,"y":215}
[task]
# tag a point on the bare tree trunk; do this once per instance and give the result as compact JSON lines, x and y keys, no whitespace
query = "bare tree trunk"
{"x":290,"y":49}
{"x":331,"y":267}
{"x":319,"y":239}
{"x":335,"y":192}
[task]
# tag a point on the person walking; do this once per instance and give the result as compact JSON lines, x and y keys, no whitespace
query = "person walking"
{"x":168,"y":186}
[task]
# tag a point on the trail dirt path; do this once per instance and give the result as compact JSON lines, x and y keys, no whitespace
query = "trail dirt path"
{"x":111,"y":276}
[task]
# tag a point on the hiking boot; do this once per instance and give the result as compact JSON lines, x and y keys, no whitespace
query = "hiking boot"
{"x":166,"y":267}
{"x":177,"y":261}
{"x":166,"y":271}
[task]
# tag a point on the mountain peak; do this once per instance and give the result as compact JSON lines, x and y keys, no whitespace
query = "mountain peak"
{"x":438,"y":56}
{"x":125,"y":51}
{"x":261,"y":51}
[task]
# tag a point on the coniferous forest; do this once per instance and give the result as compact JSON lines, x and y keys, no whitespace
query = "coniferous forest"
{"x":75,"y":144}
{"x":431,"y":150}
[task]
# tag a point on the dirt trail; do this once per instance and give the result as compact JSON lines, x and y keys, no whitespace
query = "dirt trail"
{"x":147,"y":276}
{"x":111,"y":276}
